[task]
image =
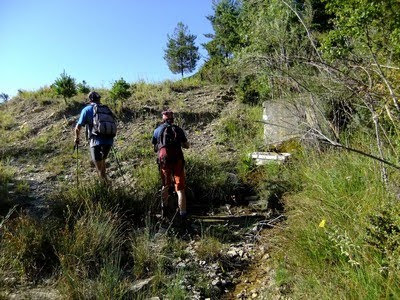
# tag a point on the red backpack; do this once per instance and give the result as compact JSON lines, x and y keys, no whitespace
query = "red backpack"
{"x":168,"y":145}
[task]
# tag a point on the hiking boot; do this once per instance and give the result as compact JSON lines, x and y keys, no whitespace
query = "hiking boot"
{"x":181,"y":221}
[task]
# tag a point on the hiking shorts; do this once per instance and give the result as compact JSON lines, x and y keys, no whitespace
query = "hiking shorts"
{"x":100,"y":152}
{"x":176,"y":172}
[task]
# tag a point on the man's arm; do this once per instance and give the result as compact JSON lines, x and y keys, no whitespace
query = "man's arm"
{"x":77,"y":133}
{"x":79,"y":124}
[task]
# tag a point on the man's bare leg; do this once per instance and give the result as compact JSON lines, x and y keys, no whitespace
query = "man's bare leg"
{"x":182,"y":202}
{"x":101,"y":169}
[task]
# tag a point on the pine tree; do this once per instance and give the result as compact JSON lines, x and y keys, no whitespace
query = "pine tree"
{"x":181,"y":53}
{"x":120,"y":90}
{"x":65,"y":86}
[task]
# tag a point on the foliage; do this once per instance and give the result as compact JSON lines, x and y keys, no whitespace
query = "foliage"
{"x":120,"y":90}
{"x":247,"y":90}
{"x":370,"y":26}
{"x":218,"y":71}
{"x":65,"y":86}
{"x":83,"y":87}
{"x":207,"y":177}
{"x":332,"y":224}
{"x":181,"y":53}
{"x":27,"y":249}
{"x":185,"y":84}
{"x":225,"y":22}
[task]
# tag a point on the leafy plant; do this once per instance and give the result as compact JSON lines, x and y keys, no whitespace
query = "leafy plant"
{"x":65,"y":86}
{"x":83,"y":87}
{"x":120,"y":90}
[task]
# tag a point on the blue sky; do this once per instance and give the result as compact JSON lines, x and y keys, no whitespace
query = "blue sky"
{"x":97,"y":41}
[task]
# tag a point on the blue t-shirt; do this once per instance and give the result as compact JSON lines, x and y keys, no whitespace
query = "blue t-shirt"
{"x":86,"y":119}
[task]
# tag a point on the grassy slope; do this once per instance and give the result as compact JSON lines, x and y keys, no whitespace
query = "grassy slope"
{"x":92,"y":238}
{"x":342,"y":233}
{"x":354,"y":255}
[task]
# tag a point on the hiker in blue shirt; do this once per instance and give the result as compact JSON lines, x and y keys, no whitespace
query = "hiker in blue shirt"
{"x":99,"y":144}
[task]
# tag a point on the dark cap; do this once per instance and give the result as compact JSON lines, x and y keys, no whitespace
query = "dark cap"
{"x":94,"y":97}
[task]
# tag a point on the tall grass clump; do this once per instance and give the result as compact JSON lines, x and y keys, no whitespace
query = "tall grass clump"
{"x":124,"y":199}
{"x":150,"y":94}
{"x":6,"y":177}
{"x":27,"y":249}
{"x":209,"y":177}
{"x":90,"y":254}
{"x":240,"y":129}
{"x":343,"y":230}
{"x":185,"y":84}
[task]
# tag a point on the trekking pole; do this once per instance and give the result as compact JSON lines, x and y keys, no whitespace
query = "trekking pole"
{"x":172,"y":221}
{"x":76,"y":146}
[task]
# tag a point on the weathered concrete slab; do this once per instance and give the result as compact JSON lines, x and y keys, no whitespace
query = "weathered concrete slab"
{"x":263,"y":158}
{"x":284,"y":121}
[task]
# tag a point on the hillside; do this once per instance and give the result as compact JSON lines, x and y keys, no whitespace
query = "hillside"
{"x":38,"y":152}
{"x":39,"y":137}
{"x":323,"y":224}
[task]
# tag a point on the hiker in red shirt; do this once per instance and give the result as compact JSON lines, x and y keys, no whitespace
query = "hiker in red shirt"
{"x":168,"y":140}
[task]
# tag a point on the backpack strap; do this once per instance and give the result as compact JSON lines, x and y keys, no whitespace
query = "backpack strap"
{"x":160,"y":136}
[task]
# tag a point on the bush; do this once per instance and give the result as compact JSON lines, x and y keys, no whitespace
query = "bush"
{"x":120,"y":91}
{"x":65,"y":86}
{"x":83,"y":87}
{"x":247,"y":90}
{"x":90,"y":248}
{"x":217,"y":71}
{"x":26,"y":249}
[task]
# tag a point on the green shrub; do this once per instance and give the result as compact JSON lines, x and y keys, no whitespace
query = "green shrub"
{"x":119,"y":93}
{"x":83,"y":87}
{"x":65,"y":86}
{"x":217,"y":71}
{"x":26,"y":249}
{"x":247,"y":90}
{"x":90,"y":248}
